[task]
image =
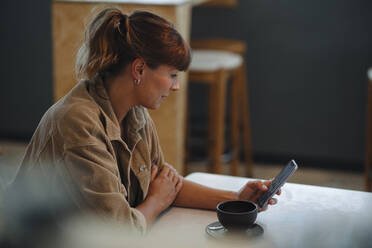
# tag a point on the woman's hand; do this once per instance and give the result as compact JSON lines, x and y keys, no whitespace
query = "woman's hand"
{"x":164,"y":186}
{"x":253,"y":190}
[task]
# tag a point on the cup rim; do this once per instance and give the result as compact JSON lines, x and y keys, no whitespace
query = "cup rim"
{"x":240,"y":213}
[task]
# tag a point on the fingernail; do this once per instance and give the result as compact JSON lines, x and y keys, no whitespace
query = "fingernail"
{"x":265,"y":187}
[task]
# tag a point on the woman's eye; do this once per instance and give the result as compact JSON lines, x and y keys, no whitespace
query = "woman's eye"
{"x":173,"y":75}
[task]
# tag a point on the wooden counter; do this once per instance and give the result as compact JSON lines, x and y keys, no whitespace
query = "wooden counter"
{"x":69,"y":18}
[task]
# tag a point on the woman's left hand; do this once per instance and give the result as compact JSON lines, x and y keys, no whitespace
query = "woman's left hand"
{"x":253,"y":190}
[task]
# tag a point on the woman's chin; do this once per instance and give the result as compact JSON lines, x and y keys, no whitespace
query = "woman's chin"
{"x":152,"y":106}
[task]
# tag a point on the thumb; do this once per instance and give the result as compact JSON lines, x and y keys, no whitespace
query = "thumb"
{"x":154,"y":171}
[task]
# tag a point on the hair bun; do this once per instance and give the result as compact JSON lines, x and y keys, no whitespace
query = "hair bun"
{"x":114,"y":39}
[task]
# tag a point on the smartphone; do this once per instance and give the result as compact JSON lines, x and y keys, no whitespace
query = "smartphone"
{"x":277,"y":183}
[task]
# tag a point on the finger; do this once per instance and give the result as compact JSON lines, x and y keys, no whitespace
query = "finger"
{"x":262,"y":186}
{"x":273,"y":201}
{"x":174,"y":171}
{"x":154,"y":171}
{"x":179,"y":183}
{"x":170,"y":172}
{"x":171,"y":175}
{"x":279,"y":192}
{"x":256,"y":185}
{"x":263,"y":209}
{"x":164,"y":171}
{"x":268,"y":182}
{"x":171,"y":168}
{"x":168,"y":165}
{"x":257,"y":188}
{"x":175,"y":179}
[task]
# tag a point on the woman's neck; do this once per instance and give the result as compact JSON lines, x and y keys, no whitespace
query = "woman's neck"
{"x":121,"y":93}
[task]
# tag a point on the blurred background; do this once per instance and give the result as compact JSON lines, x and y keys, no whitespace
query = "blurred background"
{"x":306,"y":64}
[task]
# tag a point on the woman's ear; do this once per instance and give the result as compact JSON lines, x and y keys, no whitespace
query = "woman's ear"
{"x":138,"y":65}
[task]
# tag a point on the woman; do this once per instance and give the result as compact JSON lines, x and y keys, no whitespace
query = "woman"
{"x":100,"y":138}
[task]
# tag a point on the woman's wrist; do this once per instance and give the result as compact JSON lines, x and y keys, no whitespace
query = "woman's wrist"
{"x":155,"y":203}
{"x":150,"y":208}
{"x":235,"y":196}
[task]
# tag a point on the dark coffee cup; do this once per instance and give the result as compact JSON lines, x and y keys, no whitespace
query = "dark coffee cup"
{"x":237,"y":215}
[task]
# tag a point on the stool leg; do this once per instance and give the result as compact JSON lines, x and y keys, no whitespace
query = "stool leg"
{"x":234,"y":120}
{"x":246,"y":122}
{"x":369,"y":185}
{"x":216,"y":123}
{"x":368,"y":179}
{"x":186,"y":135}
{"x":368,"y":161}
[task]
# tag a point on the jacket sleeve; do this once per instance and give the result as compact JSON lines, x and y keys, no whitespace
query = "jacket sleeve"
{"x":93,"y":172}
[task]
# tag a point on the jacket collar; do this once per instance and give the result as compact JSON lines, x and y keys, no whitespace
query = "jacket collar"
{"x":135,"y":118}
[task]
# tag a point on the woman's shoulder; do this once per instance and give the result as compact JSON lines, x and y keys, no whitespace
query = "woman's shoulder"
{"x":75,"y":119}
{"x":72,"y":121}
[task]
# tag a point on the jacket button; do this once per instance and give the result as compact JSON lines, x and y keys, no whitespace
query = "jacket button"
{"x":142,"y":168}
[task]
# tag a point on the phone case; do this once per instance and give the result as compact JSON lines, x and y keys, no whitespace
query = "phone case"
{"x":277,"y":183}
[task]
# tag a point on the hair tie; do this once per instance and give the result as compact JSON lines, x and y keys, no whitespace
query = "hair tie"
{"x":117,"y":25}
{"x":127,"y":27}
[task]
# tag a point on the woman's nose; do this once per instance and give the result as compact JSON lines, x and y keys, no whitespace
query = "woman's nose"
{"x":175,"y":86}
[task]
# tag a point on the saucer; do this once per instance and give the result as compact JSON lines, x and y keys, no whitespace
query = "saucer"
{"x":216,"y":230}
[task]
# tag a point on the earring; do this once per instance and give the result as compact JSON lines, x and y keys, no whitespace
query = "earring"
{"x":137,"y":81}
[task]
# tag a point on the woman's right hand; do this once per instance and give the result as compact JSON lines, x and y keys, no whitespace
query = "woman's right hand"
{"x":164,"y":186}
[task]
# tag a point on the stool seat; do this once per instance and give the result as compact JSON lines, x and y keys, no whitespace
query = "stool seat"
{"x":213,"y":60}
{"x":221,"y":44}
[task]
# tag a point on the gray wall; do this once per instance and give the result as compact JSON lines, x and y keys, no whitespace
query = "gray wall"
{"x":26,"y":66}
{"x":306,"y":63}
{"x":306,"y":60}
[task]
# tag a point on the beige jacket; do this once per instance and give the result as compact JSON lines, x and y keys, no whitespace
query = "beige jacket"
{"x":79,"y":141}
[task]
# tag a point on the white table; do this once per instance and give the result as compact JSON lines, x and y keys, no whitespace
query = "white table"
{"x":306,"y":216}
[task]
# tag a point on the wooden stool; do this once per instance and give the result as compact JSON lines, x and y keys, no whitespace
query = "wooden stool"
{"x":215,"y":67}
{"x":239,"y":96}
{"x":368,"y":164}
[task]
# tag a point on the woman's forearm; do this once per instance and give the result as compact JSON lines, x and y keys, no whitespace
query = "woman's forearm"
{"x":150,"y":209}
{"x":191,"y":195}
{"x":194,"y":195}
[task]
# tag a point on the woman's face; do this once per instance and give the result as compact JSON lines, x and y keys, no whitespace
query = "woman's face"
{"x":156,"y":84}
